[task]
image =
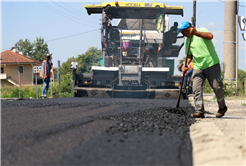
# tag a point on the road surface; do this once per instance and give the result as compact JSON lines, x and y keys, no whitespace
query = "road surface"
{"x":92,"y":131}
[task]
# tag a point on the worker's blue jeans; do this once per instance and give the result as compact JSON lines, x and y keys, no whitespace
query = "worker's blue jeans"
{"x":45,"y":86}
{"x":189,"y":74}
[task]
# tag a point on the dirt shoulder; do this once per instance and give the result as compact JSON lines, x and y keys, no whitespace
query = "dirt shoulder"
{"x":220,"y":141}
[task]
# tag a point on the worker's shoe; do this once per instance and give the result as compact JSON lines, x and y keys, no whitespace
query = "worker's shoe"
{"x":221,"y":112}
{"x":197,"y":115}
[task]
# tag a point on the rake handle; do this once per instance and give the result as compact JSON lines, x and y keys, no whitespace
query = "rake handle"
{"x":53,"y":78}
{"x":182,"y":81}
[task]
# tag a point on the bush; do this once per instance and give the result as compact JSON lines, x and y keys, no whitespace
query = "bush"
{"x":65,"y":87}
{"x":15,"y":93}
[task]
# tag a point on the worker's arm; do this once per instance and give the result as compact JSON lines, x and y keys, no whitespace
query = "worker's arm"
{"x":205,"y":35}
{"x":185,"y":67}
{"x":189,"y":59}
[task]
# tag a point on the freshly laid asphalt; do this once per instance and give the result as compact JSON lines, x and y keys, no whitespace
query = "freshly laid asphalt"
{"x":95,"y":131}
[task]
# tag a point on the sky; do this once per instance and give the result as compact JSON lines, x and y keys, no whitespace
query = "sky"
{"x":69,"y":31}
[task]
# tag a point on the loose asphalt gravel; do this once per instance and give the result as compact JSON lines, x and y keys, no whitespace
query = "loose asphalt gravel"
{"x":92,"y":131}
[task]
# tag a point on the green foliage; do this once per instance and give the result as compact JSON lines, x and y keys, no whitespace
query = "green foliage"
{"x":65,"y":67}
{"x":229,"y":88}
{"x":88,"y":59}
{"x":65,"y":87}
{"x":15,"y":93}
{"x":241,"y":75}
{"x":36,"y":50}
{"x":26,"y":47}
{"x":40,"y":49}
{"x":85,"y":61}
{"x":26,"y":92}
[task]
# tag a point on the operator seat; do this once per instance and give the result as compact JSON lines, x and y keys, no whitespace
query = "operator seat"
{"x":114,"y":36}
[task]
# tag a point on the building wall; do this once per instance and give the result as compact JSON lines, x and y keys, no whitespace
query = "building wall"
{"x":25,"y":77}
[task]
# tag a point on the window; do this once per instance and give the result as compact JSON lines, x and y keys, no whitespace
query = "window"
{"x":1,"y":70}
{"x":21,"y":69}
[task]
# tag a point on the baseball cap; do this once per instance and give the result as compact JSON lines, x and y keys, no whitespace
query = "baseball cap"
{"x":184,"y":25}
{"x":47,"y":55}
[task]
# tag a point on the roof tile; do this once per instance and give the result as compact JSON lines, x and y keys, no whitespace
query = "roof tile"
{"x":12,"y":57}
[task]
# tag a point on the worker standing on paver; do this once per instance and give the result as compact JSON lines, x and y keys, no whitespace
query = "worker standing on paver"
{"x":206,"y":65}
{"x":45,"y":74}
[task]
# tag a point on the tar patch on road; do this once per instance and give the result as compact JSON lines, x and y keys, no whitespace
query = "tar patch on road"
{"x":144,"y":137}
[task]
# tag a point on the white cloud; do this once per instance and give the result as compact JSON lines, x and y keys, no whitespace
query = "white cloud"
{"x":217,"y":33}
{"x":217,"y":36}
{"x":209,"y":25}
{"x":215,"y":41}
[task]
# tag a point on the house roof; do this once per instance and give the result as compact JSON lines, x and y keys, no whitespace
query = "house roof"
{"x":13,"y":57}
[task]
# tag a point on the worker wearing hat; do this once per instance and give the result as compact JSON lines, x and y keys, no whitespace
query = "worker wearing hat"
{"x":206,"y":66}
{"x":45,"y":74}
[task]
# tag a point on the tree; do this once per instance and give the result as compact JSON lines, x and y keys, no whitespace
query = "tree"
{"x":40,"y":49}
{"x":65,"y":67}
{"x":241,"y":75}
{"x":26,"y":47}
{"x":36,"y":50}
{"x":88,"y":59}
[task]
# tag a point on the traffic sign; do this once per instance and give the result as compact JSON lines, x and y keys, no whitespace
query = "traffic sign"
{"x":36,"y":69}
{"x":242,"y":22}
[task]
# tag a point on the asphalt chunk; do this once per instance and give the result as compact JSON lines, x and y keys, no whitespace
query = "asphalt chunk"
{"x":149,"y":120}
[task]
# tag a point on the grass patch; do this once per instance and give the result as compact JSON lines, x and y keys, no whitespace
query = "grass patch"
{"x":30,"y":92}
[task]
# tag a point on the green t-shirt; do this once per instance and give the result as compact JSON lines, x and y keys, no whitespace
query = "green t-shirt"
{"x":203,"y":51}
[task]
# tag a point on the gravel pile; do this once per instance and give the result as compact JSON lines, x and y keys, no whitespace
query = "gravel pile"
{"x":156,"y":119}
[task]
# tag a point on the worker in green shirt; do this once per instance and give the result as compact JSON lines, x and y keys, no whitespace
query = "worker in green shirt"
{"x":206,"y":66}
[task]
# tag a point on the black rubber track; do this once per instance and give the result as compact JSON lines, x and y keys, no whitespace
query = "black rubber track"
{"x":92,"y":131}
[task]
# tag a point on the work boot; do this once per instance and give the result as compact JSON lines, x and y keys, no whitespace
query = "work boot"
{"x":197,"y":115}
{"x":221,"y":112}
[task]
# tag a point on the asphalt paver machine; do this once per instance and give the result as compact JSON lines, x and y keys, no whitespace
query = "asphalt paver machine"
{"x":135,"y":52}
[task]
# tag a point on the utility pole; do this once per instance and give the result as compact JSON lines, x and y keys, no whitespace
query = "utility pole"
{"x":193,"y":19}
{"x":58,"y":72}
{"x":230,"y":39}
{"x":19,"y":80}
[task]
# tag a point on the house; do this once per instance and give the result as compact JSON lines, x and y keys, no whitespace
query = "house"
{"x":9,"y":68}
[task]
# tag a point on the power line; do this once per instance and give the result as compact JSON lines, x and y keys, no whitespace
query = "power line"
{"x":238,"y":3}
{"x":73,"y":9}
{"x":62,"y":14}
{"x":71,"y":35}
{"x":63,"y":37}
{"x":76,"y":14}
